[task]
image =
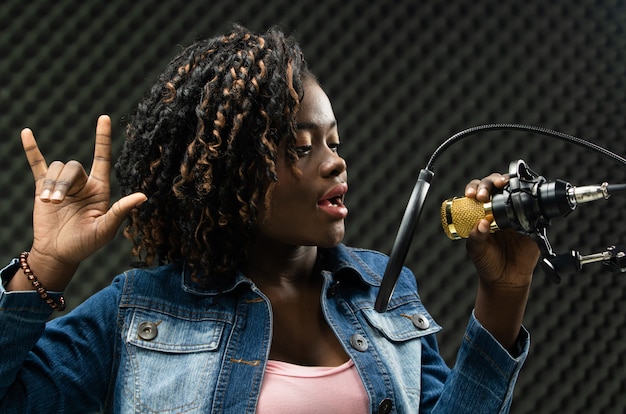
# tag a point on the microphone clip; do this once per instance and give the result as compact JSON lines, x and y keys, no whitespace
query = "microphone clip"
{"x":529,"y":202}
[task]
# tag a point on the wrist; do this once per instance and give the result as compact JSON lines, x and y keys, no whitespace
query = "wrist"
{"x":55,"y":304}
{"x":52,"y":273}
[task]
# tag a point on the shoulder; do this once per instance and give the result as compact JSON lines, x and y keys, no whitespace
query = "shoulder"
{"x":151,"y":276}
{"x":367,"y":254}
{"x":155,"y":282}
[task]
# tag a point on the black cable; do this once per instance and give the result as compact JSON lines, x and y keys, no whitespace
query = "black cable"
{"x":616,"y":188}
{"x":521,"y":127}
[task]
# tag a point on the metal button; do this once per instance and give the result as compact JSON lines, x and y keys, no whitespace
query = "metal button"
{"x":147,"y":330}
{"x":358,"y":342}
{"x":385,"y":406}
{"x":420,"y":321}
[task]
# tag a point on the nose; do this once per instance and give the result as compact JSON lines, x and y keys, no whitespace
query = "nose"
{"x":333,"y":165}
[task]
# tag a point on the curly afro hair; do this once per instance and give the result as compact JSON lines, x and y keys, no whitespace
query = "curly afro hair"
{"x":203,"y":144}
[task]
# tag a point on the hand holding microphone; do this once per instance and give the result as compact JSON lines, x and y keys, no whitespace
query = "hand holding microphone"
{"x":527,"y":203}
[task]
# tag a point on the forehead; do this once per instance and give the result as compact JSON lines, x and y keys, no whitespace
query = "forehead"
{"x":315,"y":107}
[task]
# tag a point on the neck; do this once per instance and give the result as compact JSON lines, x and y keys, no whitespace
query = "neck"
{"x":270,"y":264}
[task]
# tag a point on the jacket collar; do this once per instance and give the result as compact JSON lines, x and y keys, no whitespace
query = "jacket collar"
{"x":337,"y":260}
{"x":343,"y":259}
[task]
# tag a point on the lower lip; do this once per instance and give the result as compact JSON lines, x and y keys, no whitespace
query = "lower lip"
{"x":338,"y":212}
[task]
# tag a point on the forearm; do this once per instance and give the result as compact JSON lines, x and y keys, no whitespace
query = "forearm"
{"x":484,"y":375}
{"x":48,"y":365}
{"x":500,"y":309}
{"x":23,"y":317}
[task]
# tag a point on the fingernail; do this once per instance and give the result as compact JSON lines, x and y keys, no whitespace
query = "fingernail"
{"x":483,"y":192}
{"x":45,"y":194}
{"x":56,"y":196}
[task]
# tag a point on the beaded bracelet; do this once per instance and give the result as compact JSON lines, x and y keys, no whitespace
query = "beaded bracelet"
{"x":60,"y":305}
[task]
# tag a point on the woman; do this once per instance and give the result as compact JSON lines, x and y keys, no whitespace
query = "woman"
{"x":248,"y":301}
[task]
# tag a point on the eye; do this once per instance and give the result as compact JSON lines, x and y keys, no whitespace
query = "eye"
{"x":334,"y":146}
{"x":303,"y":150}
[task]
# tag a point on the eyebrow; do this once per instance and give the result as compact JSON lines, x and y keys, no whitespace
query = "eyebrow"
{"x":313,"y":125}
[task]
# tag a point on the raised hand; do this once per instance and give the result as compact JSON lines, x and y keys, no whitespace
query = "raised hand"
{"x":71,"y":215}
{"x":505,"y":258}
{"x":505,"y":261}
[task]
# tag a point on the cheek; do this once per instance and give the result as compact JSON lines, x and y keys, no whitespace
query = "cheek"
{"x":289,"y":206}
{"x":288,"y":191}
{"x":291,"y":196}
{"x":285,"y":202}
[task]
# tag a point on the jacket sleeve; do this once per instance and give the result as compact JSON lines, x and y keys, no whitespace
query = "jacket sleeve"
{"x":57,"y":366}
{"x":482,"y":379}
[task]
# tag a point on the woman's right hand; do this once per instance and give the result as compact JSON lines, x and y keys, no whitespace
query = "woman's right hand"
{"x":71,"y":214}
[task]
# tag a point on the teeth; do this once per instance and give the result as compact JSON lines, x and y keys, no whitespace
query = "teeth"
{"x":334,"y":201}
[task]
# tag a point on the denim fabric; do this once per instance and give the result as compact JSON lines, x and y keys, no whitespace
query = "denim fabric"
{"x":153,"y":342}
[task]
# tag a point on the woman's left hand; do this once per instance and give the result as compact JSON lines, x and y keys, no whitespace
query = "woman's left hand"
{"x":505,"y":258}
{"x":505,"y":261}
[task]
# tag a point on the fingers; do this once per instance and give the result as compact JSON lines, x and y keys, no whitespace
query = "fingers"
{"x":482,"y":189}
{"x":35,"y":159}
{"x":53,"y":183}
{"x":57,"y":180}
{"x":101,"y":167}
{"x":61,"y":179}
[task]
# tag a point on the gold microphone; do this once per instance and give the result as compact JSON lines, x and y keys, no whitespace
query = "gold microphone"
{"x":524,"y":211}
{"x":460,"y":215}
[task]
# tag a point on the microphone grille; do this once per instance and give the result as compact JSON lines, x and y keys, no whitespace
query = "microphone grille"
{"x":460,"y":215}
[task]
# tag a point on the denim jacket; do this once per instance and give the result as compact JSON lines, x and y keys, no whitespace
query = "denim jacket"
{"x":154,"y":342}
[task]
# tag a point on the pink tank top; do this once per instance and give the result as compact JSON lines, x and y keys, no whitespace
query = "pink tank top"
{"x":289,"y":388}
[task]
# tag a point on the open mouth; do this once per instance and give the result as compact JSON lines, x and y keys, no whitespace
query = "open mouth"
{"x":336,"y":201}
{"x":332,"y":202}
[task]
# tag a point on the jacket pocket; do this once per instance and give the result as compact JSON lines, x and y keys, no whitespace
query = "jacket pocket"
{"x":406,"y":321}
{"x":170,"y":361}
{"x":397,"y":335}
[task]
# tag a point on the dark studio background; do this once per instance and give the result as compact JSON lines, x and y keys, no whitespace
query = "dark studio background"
{"x":403,"y":76}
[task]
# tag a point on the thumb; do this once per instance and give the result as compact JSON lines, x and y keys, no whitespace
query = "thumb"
{"x":113,"y":218}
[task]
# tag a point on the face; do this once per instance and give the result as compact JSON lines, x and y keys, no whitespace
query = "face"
{"x":309,"y":210}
